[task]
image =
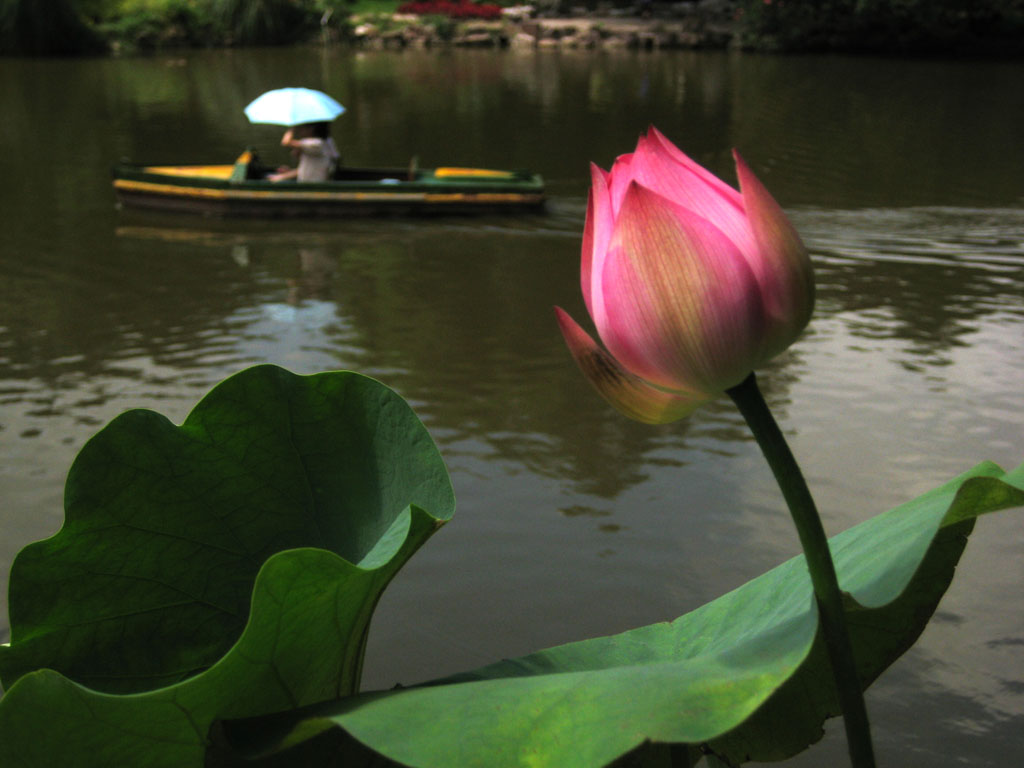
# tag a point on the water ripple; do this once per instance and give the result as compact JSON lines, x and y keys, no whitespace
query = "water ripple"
{"x":980,"y":238}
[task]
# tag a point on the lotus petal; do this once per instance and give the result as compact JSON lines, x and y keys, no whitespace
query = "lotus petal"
{"x":683,"y":309}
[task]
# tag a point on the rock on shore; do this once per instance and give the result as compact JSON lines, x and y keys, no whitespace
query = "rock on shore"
{"x":687,"y":25}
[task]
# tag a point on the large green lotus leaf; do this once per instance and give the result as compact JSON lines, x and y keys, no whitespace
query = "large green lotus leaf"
{"x":743,"y":677}
{"x":309,"y":615}
{"x":225,"y":568}
{"x":148,"y":581}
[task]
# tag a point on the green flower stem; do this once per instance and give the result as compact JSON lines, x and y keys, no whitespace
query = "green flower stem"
{"x":787,"y":473}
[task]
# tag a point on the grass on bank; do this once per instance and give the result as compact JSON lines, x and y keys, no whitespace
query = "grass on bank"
{"x":371,"y":7}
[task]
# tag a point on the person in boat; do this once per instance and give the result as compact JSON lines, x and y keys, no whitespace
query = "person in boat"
{"x":317,"y":153}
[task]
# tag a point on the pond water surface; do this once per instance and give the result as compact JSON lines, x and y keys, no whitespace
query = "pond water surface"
{"x":903,"y":177}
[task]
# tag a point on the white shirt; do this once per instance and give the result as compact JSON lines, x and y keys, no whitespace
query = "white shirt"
{"x":316,"y":158}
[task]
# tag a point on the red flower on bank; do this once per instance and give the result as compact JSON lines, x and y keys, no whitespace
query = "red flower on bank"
{"x":457,"y":9}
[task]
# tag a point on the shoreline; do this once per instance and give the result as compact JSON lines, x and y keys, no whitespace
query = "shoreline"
{"x":750,"y":25}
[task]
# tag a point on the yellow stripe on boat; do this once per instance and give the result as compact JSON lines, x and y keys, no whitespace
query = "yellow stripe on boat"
{"x":175,"y":190}
{"x":199,"y":171}
{"x":224,"y":172}
{"x":471,"y":173}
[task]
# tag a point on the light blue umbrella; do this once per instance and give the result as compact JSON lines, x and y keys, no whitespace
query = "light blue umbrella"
{"x":293,"y":106}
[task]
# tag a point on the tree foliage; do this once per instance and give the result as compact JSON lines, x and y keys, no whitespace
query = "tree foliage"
{"x":45,"y":28}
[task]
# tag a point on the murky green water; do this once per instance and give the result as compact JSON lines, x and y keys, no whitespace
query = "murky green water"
{"x":904,"y":178}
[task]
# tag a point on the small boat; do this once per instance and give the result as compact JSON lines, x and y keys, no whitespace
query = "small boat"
{"x":242,"y":189}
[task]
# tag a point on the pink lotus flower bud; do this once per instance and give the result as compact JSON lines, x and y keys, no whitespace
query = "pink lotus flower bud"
{"x":690,"y":284}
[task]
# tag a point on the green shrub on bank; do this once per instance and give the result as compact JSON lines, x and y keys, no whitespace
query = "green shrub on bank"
{"x":152,"y":24}
{"x":265,"y":22}
{"x":163,"y":23}
{"x":884,"y":26}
